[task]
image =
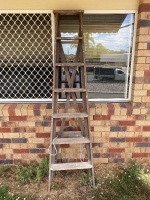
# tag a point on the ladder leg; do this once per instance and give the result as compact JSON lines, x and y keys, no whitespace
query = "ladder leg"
{"x":93,"y":177}
{"x":72,"y":108}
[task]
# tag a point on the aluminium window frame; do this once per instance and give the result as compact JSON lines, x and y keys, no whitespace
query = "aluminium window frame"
{"x":96,"y":100}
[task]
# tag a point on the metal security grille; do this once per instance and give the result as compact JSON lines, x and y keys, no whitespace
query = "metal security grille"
{"x":26,"y":70}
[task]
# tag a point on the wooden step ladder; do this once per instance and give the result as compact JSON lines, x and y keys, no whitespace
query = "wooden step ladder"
{"x":73,"y":109}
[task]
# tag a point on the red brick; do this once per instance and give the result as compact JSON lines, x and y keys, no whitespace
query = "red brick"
{"x":9,"y":124}
{"x":5,"y":130}
{"x":148,"y":92}
{"x":20,"y":151}
{"x":17,"y":118}
{"x":37,"y":106}
{"x":126,"y":123}
{"x":110,"y":106}
{"x":11,"y":110}
{"x":128,"y":139}
{"x":116,"y":150}
{"x":2,"y":156}
{"x":18,"y":129}
{"x":36,"y":112}
{"x":111,"y":111}
{"x":92,"y":128}
{"x":58,"y":123}
{"x":129,"y":106}
{"x":146,"y":128}
{"x":64,"y":146}
{"x":139,"y":155}
{"x":101,"y":117}
{"x":42,"y":146}
{"x":147,"y":73}
{"x":144,"y":7}
{"x":140,"y":117}
{"x":42,"y":135}
{"x":138,"y":128}
{"x":30,"y":129}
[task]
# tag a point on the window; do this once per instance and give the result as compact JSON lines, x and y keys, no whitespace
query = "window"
{"x":25,"y":56}
{"x":108,"y":42}
{"x":109,"y":47}
{"x":26,"y":70}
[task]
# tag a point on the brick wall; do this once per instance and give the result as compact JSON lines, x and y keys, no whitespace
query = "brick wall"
{"x":24,"y":132}
{"x":119,"y":131}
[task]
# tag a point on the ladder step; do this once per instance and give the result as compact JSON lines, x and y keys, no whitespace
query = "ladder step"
{"x":69,"y":38}
{"x":72,"y":134}
{"x":70,"y":166}
{"x":79,"y":64}
{"x":70,"y":90}
{"x":82,"y":140}
{"x":69,"y":115}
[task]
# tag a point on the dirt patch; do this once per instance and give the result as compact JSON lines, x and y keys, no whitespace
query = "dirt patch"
{"x":65,"y":185}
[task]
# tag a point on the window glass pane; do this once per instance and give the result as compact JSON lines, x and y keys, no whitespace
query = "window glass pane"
{"x":108,"y":47}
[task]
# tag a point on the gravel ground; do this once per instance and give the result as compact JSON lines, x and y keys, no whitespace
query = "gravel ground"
{"x":106,"y":89}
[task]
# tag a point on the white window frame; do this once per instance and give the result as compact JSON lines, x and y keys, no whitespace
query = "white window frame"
{"x":53,"y":25}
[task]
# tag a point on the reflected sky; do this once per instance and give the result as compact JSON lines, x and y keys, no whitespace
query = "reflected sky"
{"x":118,"y":41}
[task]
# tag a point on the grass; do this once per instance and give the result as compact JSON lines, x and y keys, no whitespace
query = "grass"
{"x":4,"y":169}
{"x":24,"y":174}
{"x":129,"y":183}
{"x":33,"y":172}
{"x":5,"y":194}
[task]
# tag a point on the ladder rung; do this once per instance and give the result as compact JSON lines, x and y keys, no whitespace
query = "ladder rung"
{"x":81,"y":140}
{"x":70,"y":90}
{"x":69,"y":38}
{"x":69,"y":115}
{"x":79,"y":64}
{"x":70,"y":166}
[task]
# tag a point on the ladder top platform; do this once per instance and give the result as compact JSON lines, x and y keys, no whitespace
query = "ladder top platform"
{"x":68,"y":12}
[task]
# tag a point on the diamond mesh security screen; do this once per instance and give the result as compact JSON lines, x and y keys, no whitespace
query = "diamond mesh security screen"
{"x":25,"y":56}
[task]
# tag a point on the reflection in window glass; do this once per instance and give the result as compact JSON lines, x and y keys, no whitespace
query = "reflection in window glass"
{"x":108,"y":50}
{"x":108,"y":45}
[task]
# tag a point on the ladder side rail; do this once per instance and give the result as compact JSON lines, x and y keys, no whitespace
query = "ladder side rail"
{"x":65,"y":110}
{"x":53,"y":121}
{"x":86,"y":99}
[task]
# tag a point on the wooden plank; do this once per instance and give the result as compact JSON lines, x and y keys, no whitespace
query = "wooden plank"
{"x":69,"y":38}
{"x":70,"y":90}
{"x":65,"y":64}
{"x":72,"y":134}
{"x":68,"y":12}
{"x":80,"y":140}
{"x":69,"y":115}
{"x":70,"y":166}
